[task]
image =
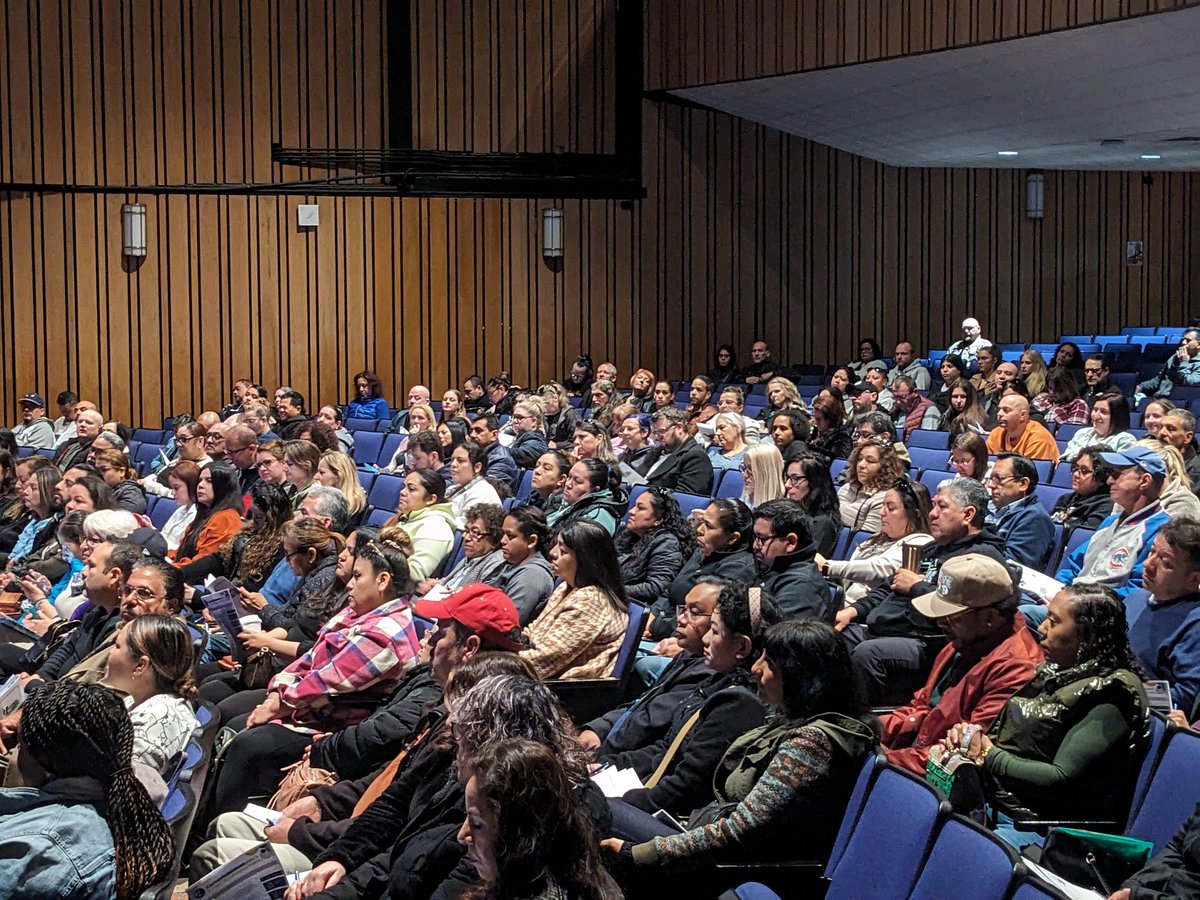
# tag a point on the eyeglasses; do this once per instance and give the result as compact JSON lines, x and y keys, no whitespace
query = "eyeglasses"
{"x":294,"y":553}
{"x":999,"y":479}
{"x":660,"y":432}
{"x":760,"y":541}
{"x":691,"y":612}
{"x":143,"y":593}
{"x":476,"y":533}
{"x":795,"y":479}
{"x":744,"y":469}
{"x":229,"y":449}
{"x":1082,"y":470}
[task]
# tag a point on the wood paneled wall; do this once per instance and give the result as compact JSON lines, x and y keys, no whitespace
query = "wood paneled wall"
{"x":744,"y":231}
{"x":691,"y":42}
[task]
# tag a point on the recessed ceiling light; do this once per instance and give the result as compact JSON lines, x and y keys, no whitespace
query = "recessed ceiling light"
{"x":1151,"y":156}
{"x":1007,"y":153}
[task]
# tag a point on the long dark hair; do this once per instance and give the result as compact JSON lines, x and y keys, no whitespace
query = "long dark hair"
{"x":1102,"y":628}
{"x":735,"y":516}
{"x":531,"y":522}
{"x":595,"y":559}
{"x":263,"y":548}
{"x":732,"y":367}
{"x":458,"y":433}
{"x":665,"y":507}
{"x":374,"y":386}
{"x":227,"y":494}
{"x":74,"y":729}
{"x":822,"y":498}
{"x":812,"y":661}
{"x":542,"y":836}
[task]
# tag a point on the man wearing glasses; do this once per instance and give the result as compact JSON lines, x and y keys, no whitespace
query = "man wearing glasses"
{"x":1095,"y":373}
{"x":189,"y":445}
{"x":1016,"y":515}
{"x":241,"y":449}
{"x":679,"y":463}
{"x":784,"y":549}
{"x":648,"y":718}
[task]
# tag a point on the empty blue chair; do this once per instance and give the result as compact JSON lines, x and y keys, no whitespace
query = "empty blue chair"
{"x":858,"y":796}
{"x":1066,"y":432}
{"x":1077,"y":338}
{"x":1018,"y":348}
{"x":1138,"y":329}
{"x":1078,"y":538}
{"x":888,"y":845}
{"x":1170,"y":798}
{"x":1112,"y":339}
{"x":961,"y":843}
{"x":752,"y":890}
{"x":842,"y":542}
{"x":366,"y":447}
{"x":366,"y":479}
{"x":689,"y":503}
{"x":931,"y":440}
{"x":1043,"y":467}
{"x":931,"y":478}
{"x":356,"y":425}
{"x":387,"y":449}
{"x":731,"y":484}
{"x":1154,"y":749}
{"x":1062,"y":475}
{"x":1048,"y":494}
{"x":148,"y":436}
{"x":378,"y":517}
{"x":385,"y":492}
{"x":924,"y":458}
{"x":163,"y":510}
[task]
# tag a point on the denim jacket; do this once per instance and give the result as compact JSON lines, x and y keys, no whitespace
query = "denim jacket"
{"x":55,"y":843}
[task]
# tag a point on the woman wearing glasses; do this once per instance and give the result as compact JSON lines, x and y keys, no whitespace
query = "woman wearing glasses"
{"x":528,"y":427}
{"x":1089,"y":502}
{"x":560,"y":416}
{"x":904,"y":522}
{"x":806,"y":480}
{"x":762,"y":474}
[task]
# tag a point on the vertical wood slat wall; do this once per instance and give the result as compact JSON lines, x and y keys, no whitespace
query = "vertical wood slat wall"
{"x":744,"y":231}
{"x":691,"y":42}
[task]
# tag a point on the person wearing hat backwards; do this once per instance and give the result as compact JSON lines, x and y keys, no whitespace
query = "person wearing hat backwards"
{"x":1115,"y":554}
{"x":991,"y":656}
{"x":34,"y":430}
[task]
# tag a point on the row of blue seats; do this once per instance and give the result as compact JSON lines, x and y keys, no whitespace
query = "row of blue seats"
{"x":900,"y":839}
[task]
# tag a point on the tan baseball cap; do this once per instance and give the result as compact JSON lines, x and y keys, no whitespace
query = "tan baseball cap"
{"x":971,"y":581}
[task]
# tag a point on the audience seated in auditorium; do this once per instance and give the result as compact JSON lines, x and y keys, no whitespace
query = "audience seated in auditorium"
{"x":218,"y":515}
{"x":987,"y":359}
{"x":418,"y":394}
{"x":482,"y":562}
{"x":85,"y":821}
{"x":911,"y":410}
{"x":641,"y":390}
{"x":679,"y":464}
{"x":88,"y":424}
{"x":560,"y":416}
{"x":485,"y":431}
{"x":121,"y":477}
{"x":593,"y":442}
{"x":34,"y":430}
{"x":781,"y":395}
{"x":1115,"y":554}
{"x":1017,"y":434}
{"x":547,"y":480}
{"x":761,"y":369}
{"x":604,"y":398}
{"x":700,"y":407}
{"x":419,"y":418}
{"x":991,"y":655}
{"x":300,"y":461}
{"x":972,"y":342}
{"x":1182,"y":369}
{"x":893,"y":645}
{"x":578,"y":382}
{"x":1178,"y":429}
{"x":1164,"y":617}
{"x":1176,"y":498}
{"x":762,"y":474}
{"x":1089,"y":502}
{"x":868,"y":352}
{"x":1152,"y":414}
{"x":289,"y":413}
{"x":951,"y":370}
{"x":427,"y":519}
{"x":840,"y":380}
{"x":332,"y":418}
{"x":872,"y":469}
{"x":1068,"y":744}
{"x":677,"y":766}
{"x":807,"y":481}
{"x":1060,"y":403}
{"x":864,"y":396}
{"x":1006,"y":375}
{"x":501,"y":395}
{"x":592,"y":491}
{"x":1095,"y":376}
{"x":634,"y":432}
{"x":785,"y":551}
{"x":579,"y":631}
{"x":781,"y":788}
{"x":904,"y":522}
{"x":724,"y":366}
{"x":876,"y":376}
{"x":724,"y":532}
{"x":454,"y":405}
{"x":731,"y":400}
{"x":653,"y":545}
{"x":64,"y":425}
{"x":1016,"y":515}
{"x":474,"y":394}
{"x":527,"y":579}
{"x":906,"y":363}
{"x":1109,"y":426}
{"x":468,"y":471}
{"x":336,"y":470}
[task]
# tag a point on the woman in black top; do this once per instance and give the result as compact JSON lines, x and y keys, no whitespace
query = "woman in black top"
{"x":1089,"y":502}
{"x":806,"y":480}
{"x":724,"y":365}
{"x":653,"y":545}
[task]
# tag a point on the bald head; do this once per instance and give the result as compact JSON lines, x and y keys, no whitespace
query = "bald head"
{"x":418,"y":393}
{"x":208,"y":419}
{"x":1013,"y":414}
{"x":88,"y":424}
{"x":970,"y":328}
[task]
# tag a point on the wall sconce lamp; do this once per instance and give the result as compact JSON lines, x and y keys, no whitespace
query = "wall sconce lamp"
{"x":1035,"y":196}
{"x":552,"y":238}
{"x":133,"y":229}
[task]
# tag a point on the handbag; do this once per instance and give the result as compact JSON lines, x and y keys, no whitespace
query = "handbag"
{"x":298,"y":783}
{"x":257,"y":670}
{"x":1094,"y":859}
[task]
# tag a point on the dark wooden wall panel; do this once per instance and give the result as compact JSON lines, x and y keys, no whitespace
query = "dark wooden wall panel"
{"x":693,"y":42}
{"x":744,"y":232}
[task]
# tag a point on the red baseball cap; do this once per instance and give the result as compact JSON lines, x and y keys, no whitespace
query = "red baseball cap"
{"x":483,"y":609}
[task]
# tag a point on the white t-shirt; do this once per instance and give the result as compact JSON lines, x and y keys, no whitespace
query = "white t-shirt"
{"x":161,"y":728}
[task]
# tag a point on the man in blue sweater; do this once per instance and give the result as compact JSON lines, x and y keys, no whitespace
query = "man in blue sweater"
{"x":1016,"y":515}
{"x":1164,"y":618}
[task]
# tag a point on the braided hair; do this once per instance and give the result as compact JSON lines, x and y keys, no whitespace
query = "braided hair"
{"x":75,"y":730}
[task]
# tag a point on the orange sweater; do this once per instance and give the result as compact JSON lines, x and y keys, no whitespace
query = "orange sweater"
{"x":1035,"y":442}
{"x":217,"y":530}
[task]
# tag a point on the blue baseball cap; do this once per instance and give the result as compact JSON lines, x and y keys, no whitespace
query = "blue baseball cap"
{"x":1142,"y":457}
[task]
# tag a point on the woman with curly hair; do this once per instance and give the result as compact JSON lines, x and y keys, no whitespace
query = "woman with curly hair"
{"x":872,"y":469}
{"x":653,"y":545}
{"x":1068,"y":743}
{"x":604,"y":400}
{"x":781,"y":395}
{"x":84,"y":826}
{"x":525,"y":833}
{"x":248,"y":558}
{"x":829,"y":435}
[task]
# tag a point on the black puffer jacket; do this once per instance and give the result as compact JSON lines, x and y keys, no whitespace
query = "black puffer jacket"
{"x":649,"y":563}
{"x":797,"y":586}
{"x":737,"y":564}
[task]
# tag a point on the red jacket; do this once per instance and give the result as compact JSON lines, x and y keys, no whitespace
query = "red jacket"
{"x":909,"y":731}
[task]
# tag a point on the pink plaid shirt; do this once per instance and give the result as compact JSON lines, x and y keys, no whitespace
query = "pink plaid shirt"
{"x":355,"y":663}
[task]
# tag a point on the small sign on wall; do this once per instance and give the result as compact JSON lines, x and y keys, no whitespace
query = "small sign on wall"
{"x":308,"y":215}
{"x":1134,"y":255}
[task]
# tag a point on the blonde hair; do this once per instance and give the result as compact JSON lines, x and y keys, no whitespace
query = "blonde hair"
{"x":766,"y":468}
{"x":794,"y":400}
{"x":428,"y":410}
{"x":347,"y":480}
{"x":533,"y":405}
{"x":1172,"y":458}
